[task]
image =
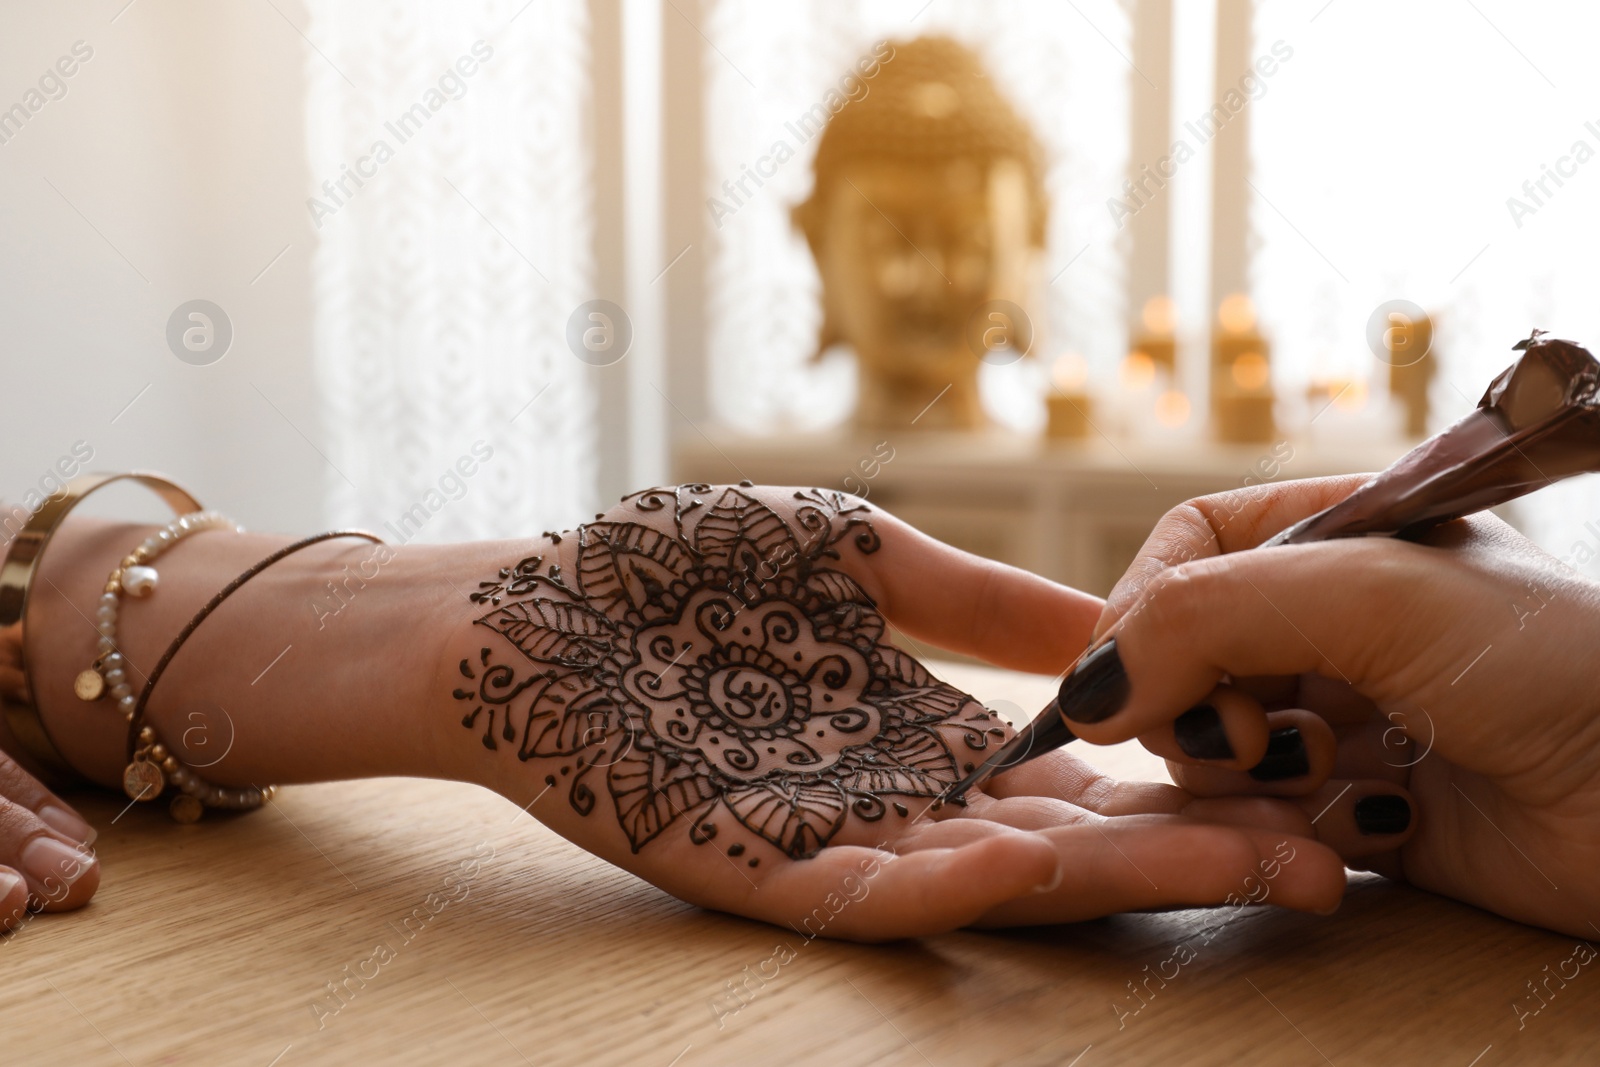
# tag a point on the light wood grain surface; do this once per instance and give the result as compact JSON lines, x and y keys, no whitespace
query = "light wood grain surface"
{"x":209,"y":945}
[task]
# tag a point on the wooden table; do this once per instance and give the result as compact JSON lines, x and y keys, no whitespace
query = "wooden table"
{"x":209,"y":944}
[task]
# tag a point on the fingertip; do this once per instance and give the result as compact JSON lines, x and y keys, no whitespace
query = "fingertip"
{"x":1334,"y":896}
{"x":1227,"y":731}
{"x":13,"y":899}
{"x":1364,"y":818}
{"x":61,"y":876}
{"x":1386,"y":815}
{"x":1031,"y":861}
{"x":1315,"y":878}
{"x":1297,"y":757}
{"x":1055,"y":880}
{"x":976,"y":878}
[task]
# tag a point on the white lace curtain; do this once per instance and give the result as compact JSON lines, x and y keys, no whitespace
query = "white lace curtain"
{"x":444,"y":279}
{"x":1062,"y":65}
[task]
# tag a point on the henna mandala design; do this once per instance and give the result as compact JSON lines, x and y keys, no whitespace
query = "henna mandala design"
{"x":720,"y":664}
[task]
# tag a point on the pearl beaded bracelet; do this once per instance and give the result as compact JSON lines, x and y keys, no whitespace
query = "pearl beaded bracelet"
{"x":136,"y":577}
{"x":18,"y":709}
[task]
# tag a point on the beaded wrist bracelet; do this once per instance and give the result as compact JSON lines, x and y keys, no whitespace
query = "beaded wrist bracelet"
{"x":35,"y":745}
{"x":136,"y":577}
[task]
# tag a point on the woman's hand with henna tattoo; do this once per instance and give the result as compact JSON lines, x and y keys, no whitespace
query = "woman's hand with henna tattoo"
{"x":700,"y":686}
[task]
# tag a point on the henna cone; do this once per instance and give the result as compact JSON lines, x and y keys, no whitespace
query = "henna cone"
{"x":1537,"y":423}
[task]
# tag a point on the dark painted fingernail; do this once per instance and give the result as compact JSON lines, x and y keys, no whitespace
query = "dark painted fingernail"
{"x":1200,"y":734}
{"x":1098,"y":688}
{"x":1383,"y":814}
{"x":1286,"y":757}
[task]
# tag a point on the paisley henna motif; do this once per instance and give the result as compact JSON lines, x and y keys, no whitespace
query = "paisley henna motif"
{"x":716,"y":663}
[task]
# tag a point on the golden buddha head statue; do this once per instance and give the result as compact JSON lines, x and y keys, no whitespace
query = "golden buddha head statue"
{"x":925,"y":218}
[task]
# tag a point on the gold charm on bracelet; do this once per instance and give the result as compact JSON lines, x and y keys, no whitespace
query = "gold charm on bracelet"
{"x":185,"y":808}
{"x":143,"y":780}
{"x":89,"y":685}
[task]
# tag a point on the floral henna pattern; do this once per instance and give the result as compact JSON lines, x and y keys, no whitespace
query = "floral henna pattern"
{"x":721,"y":663}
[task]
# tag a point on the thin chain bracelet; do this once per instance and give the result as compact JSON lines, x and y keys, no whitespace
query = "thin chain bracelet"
{"x":151,"y":765}
{"x":136,"y":577}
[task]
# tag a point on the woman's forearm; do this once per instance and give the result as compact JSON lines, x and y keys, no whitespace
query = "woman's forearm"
{"x":326,"y":665}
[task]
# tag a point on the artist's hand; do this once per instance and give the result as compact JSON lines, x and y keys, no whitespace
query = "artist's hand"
{"x":1450,"y":682}
{"x":703,"y":682}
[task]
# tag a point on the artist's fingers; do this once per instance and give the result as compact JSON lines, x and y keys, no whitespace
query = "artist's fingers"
{"x":1218,"y":524}
{"x":1361,"y":818}
{"x":1366,"y":611}
{"x":975,"y":606}
{"x":1380,"y":748}
{"x":865,"y":894}
{"x":1228,"y":729}
{"x":1060,"y":775}
{"x":1364,"y":821}
{"x":1299,"y":755}
{"x":1155,"y":861}
{"x":1333,"y":698}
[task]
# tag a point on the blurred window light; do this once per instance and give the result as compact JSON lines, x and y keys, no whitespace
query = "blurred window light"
{"x":1395,"y":178}
{"x":1436,"y":152}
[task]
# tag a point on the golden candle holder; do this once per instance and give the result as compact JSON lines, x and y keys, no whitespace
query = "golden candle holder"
{"x":1409,"y":343}
{"x":1069,"y":404}
{"x":1242,"y":398}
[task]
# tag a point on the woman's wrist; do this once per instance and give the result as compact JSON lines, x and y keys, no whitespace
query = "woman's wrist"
{"x":323,"y":666}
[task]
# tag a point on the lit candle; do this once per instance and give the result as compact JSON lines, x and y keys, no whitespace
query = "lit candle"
{"x":1068,"y":403}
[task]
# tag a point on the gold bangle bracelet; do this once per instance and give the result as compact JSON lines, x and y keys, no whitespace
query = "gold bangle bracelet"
{"x":16,"y":582}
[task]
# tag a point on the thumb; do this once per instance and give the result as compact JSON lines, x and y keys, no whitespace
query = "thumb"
{"x":1218,"y":524}
{"x":1347,"y":610}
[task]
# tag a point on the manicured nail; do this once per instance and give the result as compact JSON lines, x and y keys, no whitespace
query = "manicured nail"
{"x":52,"y":864}
{"x":1286,"y":757}
{"x":8,"y":884}
{"x":1098,"y":688}
{"x":1383,"y":814}
{"x":1053,"y":882}
{"x":68,"y":822}
{"x":1200,"y":734}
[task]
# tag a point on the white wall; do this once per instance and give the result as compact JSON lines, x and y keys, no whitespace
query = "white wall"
{"x":180,"y":140}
